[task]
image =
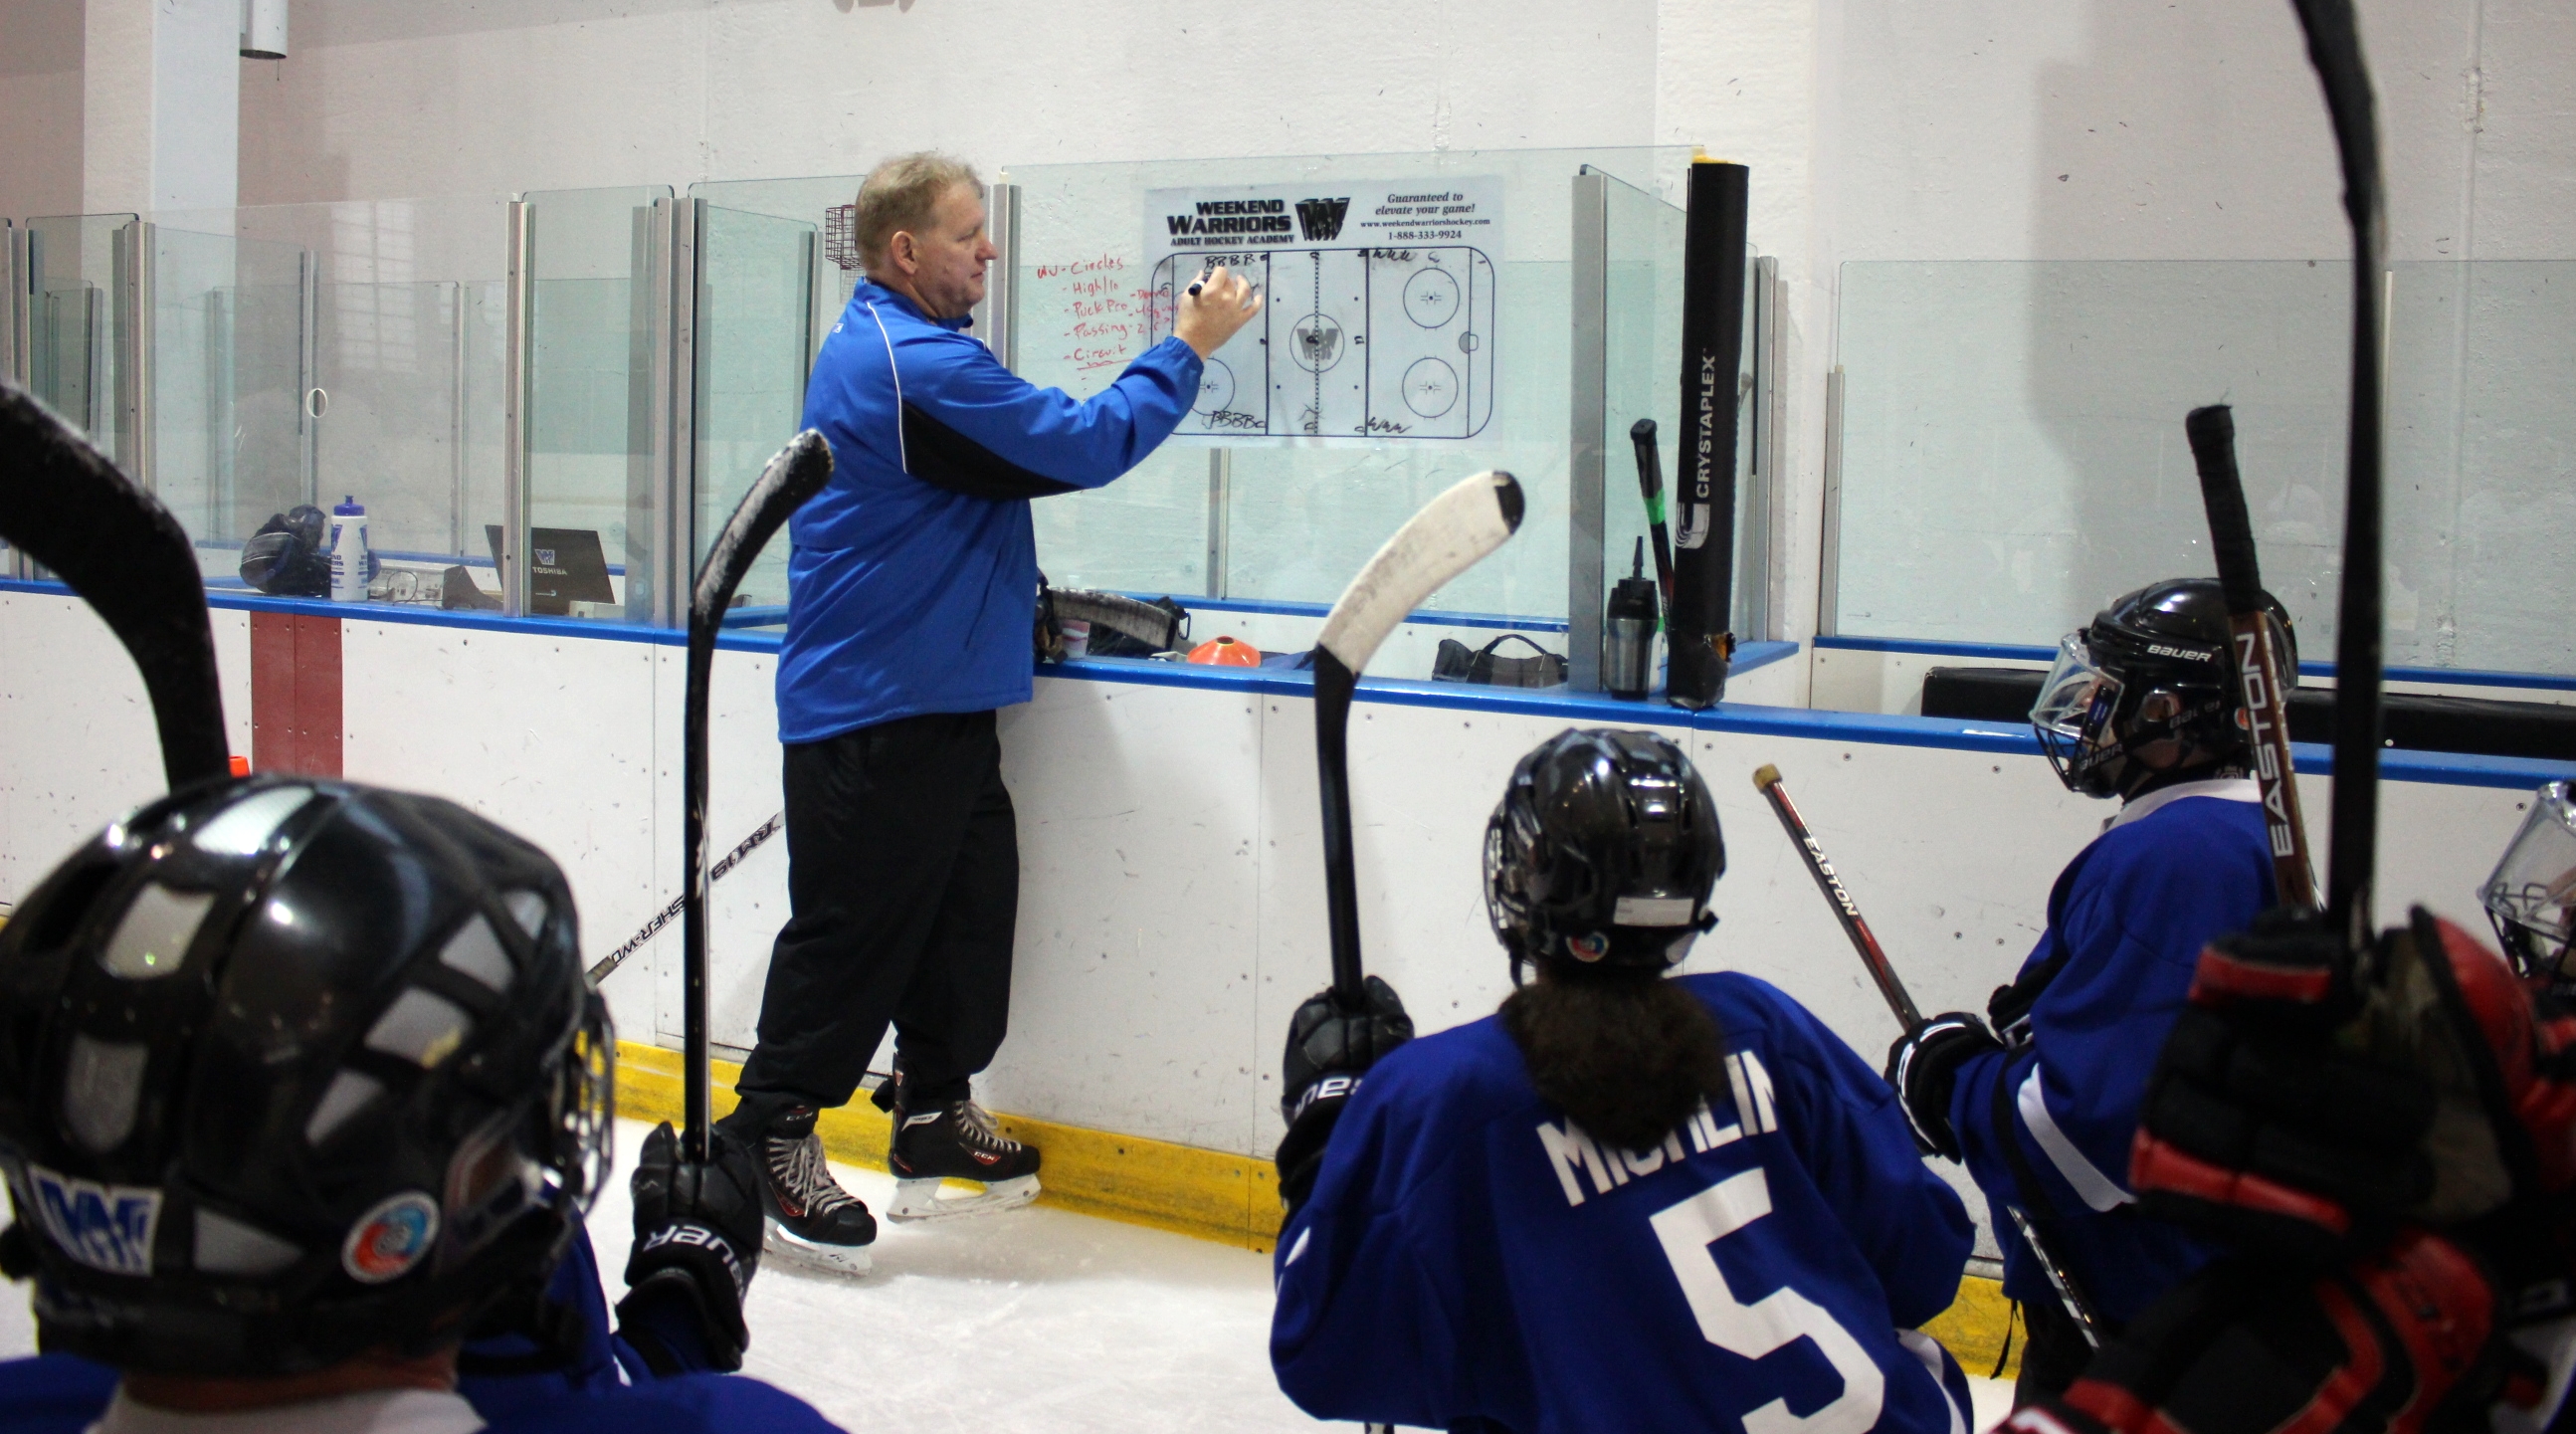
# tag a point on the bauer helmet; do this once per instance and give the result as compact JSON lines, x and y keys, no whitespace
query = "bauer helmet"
{"x":2155,"y":666}
{"x":291,"y":1070}
{"x":1603,"y":851}
{"x":2531,"y":898}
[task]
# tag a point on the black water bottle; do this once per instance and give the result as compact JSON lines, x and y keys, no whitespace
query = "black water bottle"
{"x":1628,"y":633}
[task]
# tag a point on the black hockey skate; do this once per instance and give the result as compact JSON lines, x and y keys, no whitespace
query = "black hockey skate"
{"x":813,"y":1222}
{"x":956,"y":1141}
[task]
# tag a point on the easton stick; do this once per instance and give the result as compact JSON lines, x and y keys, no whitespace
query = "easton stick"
{"x":1449,"y":536}
{"x":1766,"y":779}
{"x":2334,"y":49}
{"x":1650,"y":485}
{"x":798,"y":472}
{"x":2260,"y":669}
{"x":65,"y":505}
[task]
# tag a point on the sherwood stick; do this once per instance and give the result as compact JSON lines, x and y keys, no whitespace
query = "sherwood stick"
{"x":2334,"y":48}
{"x":1449,"y":536}
{"x":1766,"y":778}
{"x":607,"y":965}
{"x":1650,"y":485}
{"x":65,"y":505}
{"x":798,"y":472}
{"x":2260,"y":665}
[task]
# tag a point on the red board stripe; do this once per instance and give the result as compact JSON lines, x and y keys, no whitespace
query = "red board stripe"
{"x":295,"y":715}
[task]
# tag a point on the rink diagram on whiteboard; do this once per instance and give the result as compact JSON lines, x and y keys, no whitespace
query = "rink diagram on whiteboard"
{"x":1351,"y":343}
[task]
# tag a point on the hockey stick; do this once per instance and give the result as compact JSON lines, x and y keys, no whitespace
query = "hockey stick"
{"x":2334,"y":48}
{"x":1650,"y":485}
{"x":798,"y":472}
{"x":607,"y":965}
{"x":68,"y":507}
{"x":1140,"y":620}
{"x":1766,"y":779}
{"x":1445,"y":539}
{"x":2259,"y":666}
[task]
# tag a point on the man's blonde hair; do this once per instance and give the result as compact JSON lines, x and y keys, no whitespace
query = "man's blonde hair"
{"x":899,"y":195}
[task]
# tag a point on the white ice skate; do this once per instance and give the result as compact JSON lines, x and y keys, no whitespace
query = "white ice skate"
{"x":957,"y":1142}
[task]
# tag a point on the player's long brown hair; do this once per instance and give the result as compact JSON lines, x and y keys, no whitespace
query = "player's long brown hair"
{"x":1625,"y":1052}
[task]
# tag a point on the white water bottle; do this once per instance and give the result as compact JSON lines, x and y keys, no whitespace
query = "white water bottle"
{"x":348,"y":546}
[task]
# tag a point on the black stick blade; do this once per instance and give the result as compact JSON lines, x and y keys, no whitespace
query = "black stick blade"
{"x":65,"y":505}
{"x":2222,"y":493}
{"x":798,"y":472}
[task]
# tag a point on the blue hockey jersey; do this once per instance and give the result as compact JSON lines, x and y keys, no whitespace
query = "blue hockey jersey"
{"x":604,"y":1388}
{"x":914,"y":579}
{"x":1470,"y":1259}
{"x":2126,"y":921}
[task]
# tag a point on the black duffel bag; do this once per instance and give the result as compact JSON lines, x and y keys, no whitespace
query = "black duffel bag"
{"x":1457,"y":662}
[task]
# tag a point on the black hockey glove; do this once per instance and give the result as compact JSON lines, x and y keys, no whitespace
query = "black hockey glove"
{"x":2307,"y":1101}
{"x":1924,"y":1068}
{"x":1329,"y":1048}
{"x":697,"y":1245}
{"x":2403,"y":1339}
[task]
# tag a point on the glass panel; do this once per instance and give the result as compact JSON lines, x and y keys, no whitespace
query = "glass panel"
{"x":1307,"y":509}
{"x":1643,"y":314}
{"x":72,"y":359}
{"x":2013,"y":452}
{"x":229,"y":434}
{"x":766,"y":296}
{"x":322,"y":352}
{"x":590,"y":445}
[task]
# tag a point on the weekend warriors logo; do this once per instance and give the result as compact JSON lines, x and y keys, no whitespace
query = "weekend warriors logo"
{"x":106,"y":1227}
{"x":1321,"y":219}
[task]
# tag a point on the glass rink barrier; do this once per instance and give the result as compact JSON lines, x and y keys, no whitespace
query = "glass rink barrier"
{"x":547,"y":405}
{"x":331,"y":356}
{"x":2008,"y":450}
{"x":770,"y":285}
{"x":1426,"y":316}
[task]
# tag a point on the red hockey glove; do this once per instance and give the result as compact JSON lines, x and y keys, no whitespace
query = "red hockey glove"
{"x":2307,"y":1101}
{"x":2403,"y":1339}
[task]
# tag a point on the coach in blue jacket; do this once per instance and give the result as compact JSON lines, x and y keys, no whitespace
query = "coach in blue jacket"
{"x":911,"y":593}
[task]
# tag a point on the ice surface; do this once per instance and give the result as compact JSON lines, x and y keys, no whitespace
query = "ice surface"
{"x":1031,"y":1320}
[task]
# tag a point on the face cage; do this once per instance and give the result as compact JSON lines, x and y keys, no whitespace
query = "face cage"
{"x":2531,"y":897}
{"x":2073,"y":715}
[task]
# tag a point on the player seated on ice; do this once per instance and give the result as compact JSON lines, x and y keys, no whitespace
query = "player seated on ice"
{"x":302,"y":1099}
{"x":2040,"y":1098}
{"x":1629,"y":1200}
{"x":2531,"y":898}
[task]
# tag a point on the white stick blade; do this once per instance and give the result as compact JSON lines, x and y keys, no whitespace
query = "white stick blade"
{"x":1449,"y":536}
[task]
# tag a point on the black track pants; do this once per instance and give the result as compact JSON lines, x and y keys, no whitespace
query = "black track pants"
{"x":903,"y":880}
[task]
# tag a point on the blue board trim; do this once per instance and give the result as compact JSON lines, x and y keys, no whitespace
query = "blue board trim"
{"x":2009,"y":651}
{"x":2443,"y":768}
{"x":1428,"y":617}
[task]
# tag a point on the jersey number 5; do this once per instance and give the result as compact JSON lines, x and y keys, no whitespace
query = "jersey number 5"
{"x":1769,"y":1323}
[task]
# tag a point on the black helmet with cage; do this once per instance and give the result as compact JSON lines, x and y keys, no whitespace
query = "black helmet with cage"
{"x":2531,"y":897}
{"x":1603,"y":853}
{"x":291,"y":1070}
{"x":2145,"y":689}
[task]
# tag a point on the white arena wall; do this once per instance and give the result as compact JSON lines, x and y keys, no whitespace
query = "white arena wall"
{"x":1171,"y":910}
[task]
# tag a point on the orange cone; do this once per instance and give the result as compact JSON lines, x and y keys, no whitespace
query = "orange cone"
{"x":1226,"y":652}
